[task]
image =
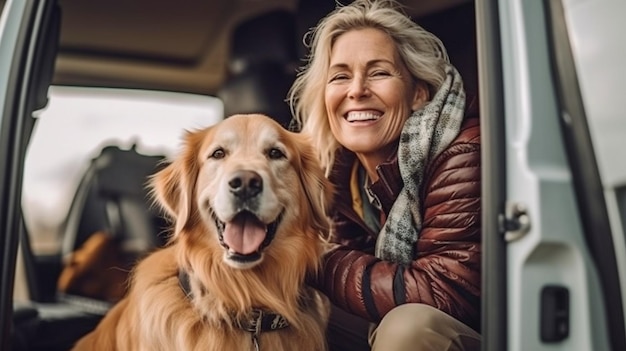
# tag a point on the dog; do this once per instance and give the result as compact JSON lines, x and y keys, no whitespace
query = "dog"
{"x":248,"y":201}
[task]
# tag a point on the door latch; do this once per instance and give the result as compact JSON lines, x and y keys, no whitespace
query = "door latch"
{"x":515,"y":222}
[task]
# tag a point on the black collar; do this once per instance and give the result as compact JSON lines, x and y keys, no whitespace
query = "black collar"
{"x":257,"y":320}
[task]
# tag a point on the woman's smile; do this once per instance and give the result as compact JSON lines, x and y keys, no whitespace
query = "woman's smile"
{"x":363,"y":116}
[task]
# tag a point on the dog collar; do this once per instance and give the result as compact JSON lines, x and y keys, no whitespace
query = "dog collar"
{"x":257,"y":320}
{"x":262,"y":321}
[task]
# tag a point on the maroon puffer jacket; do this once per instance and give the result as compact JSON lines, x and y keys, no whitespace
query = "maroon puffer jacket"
{"x":446,"y":271}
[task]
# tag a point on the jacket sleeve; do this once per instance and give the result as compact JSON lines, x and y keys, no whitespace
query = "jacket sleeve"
{"x":446,"y":272}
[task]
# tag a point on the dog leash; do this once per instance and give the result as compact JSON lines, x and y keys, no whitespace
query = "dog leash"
{"x":257,"y":321}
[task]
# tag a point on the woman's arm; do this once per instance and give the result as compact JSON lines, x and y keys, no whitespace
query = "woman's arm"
{"x":446,"y":273}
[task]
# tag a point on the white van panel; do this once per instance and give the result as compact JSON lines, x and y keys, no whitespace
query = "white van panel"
{"x":538,"y":177}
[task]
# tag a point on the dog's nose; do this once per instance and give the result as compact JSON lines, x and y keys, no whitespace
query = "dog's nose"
{"x":246,"y":184}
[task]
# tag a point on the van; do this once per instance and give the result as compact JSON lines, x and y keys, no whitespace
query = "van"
{"x":547,"y":77}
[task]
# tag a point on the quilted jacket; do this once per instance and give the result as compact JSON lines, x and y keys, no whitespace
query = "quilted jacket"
{"x":446,"y":270}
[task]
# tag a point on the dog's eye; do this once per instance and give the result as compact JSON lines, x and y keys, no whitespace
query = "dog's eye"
{"x":218,"y":154}
{"x":275,"y":154}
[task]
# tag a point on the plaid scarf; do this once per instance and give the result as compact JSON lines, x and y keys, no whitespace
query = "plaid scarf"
{"x":426,"y":133}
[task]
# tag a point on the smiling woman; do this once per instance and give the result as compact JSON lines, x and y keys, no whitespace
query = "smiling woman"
{"x":403,"y":152}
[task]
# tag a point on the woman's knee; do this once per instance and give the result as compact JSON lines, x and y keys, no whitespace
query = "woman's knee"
{"x":422,"y":327}
{"x":408,"y":321}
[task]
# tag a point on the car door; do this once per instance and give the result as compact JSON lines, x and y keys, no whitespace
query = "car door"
{"x":28,"y":36}
{"x":554,"y":243}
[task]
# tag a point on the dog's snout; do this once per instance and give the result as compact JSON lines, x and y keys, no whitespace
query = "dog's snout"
{"x":246,"y":184}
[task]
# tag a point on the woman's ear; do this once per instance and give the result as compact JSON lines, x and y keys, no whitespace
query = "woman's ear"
{"x":421,"y":95}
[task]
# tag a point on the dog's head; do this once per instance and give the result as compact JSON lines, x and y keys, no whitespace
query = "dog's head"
{"x":245,"y":181}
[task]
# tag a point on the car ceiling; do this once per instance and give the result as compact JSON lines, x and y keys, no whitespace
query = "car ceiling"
{"x":162,"y":44}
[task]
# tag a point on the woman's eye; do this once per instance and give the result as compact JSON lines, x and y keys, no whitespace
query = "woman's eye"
{"x":275,"y":154}
{"x":218,"y":154}
{"x":338,"y":77}
{"x":380,"y":74}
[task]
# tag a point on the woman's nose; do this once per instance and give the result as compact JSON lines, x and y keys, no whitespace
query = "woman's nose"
{"x":358,"y":88}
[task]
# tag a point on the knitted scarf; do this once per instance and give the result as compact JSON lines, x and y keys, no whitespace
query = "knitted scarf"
{"x":426,"y":133}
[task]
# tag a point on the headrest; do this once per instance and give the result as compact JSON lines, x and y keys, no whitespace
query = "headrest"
{"x":268,"y":37}
{"x":262,"y":88}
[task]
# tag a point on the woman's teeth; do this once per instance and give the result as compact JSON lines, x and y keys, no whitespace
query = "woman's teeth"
{"x":362,"y":116}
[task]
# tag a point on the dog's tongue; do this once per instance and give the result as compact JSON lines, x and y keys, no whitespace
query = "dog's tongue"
{"x":244,"y":234}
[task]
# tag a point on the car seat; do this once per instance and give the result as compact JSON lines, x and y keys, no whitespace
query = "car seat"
{"x":113,"y":197}
{"x":111,"y":224}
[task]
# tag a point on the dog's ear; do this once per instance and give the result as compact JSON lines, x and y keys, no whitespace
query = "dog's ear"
{"x":166,"y":189}
{"x":318,"y":189}
{"x":173,"y":187}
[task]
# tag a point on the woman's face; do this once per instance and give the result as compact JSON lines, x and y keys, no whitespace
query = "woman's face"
{"x":369,"y":94}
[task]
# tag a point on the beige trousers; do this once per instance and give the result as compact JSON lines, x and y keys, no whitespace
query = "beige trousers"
{"x":400,"y":330}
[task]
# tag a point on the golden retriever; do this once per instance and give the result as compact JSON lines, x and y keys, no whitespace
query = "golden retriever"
{"x":248,"y":203}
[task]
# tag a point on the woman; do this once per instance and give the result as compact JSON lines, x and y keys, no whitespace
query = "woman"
{"x":387,"y":113}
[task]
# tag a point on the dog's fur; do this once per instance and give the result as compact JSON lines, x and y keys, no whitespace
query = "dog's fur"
{"x":244,"y":163}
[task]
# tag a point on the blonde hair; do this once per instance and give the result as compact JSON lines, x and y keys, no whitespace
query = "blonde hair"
{"x":421,"y":51}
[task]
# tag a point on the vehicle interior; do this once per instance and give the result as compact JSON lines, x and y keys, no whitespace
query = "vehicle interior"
{"x":245,"y":53}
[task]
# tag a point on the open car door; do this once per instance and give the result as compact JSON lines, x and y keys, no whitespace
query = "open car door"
{"x":29,"y":32}
{"x":551,"y":76}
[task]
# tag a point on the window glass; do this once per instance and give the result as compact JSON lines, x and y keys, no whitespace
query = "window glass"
{"x":596,"y":31}
{"x":78,"y":123}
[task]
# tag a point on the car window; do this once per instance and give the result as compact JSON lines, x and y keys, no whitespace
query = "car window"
{"x":77,"y":124}
{"x":597,"y":72}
